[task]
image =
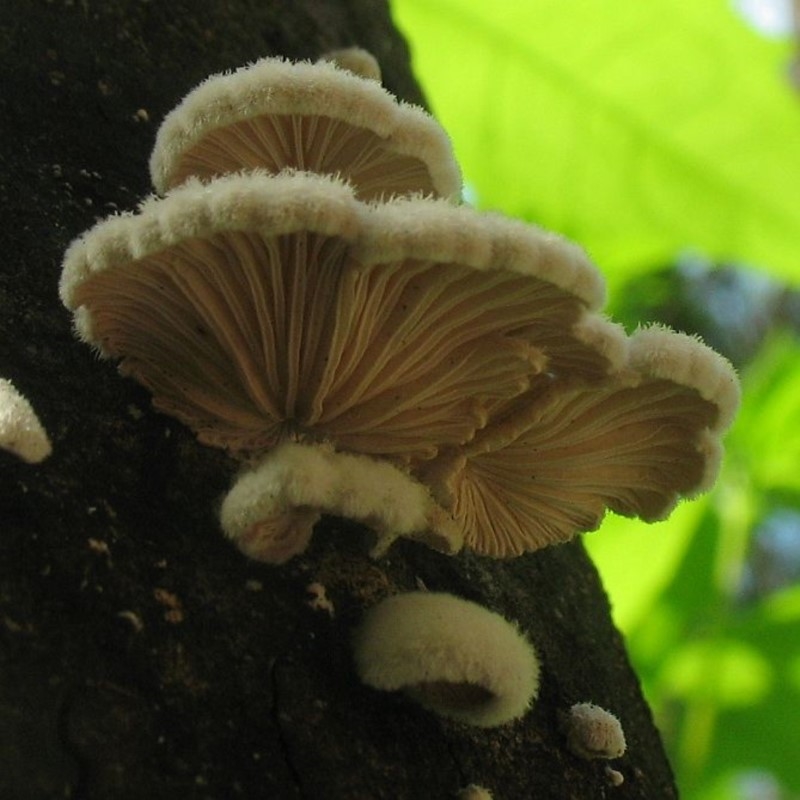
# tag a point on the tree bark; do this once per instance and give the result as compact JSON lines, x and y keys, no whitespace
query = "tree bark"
{"x":141,"y":656}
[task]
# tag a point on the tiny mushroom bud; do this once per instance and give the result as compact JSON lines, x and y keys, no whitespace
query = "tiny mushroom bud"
{"x":356,"y":60}
{"x":593,"y":732}
{"x":275,"y":114}
{"x":451,"y":655}
{"x":474,"y":792}
{"x":21,"y":432}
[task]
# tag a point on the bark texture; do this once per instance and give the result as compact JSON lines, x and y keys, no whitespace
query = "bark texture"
{"x":141,"y":656}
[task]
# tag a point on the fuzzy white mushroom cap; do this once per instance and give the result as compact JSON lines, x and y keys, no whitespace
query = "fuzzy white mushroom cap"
{"x":21,"y":432}
{"x":275,"y":114}
{"x":356,"y":60}
{"x":453,"y":656}
{"x":271,"y":510}
{"x":593,"y":732}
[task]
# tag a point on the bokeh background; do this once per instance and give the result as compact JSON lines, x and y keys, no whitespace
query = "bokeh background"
{"x":664,"y":137}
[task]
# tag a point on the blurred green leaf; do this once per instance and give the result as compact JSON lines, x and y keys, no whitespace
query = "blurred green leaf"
{"x":638,"y":129}
{"x":638,"y":561}
{"x":723,"y":672}
{"x":765,"y":441}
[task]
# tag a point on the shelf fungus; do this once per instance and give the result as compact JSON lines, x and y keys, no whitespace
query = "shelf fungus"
{"x":276,"y":114}
{"x":21,"y":432}
{"x":262,"y":309}
{"x":453,"y":656}
{"x":560,"y":456}
{"x":307,"y":279}
{"x":271,"y":510}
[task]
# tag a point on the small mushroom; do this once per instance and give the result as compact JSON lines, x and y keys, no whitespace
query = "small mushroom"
{"x":565,"y":453}
{"x":474,"y":792}
{"x":276,"y":114}
{"x":272,"y":509}
{"x":453,"y":656}
{"x":21,"y":432}
{"x":592,"y":732}
{"x":356,"y":60}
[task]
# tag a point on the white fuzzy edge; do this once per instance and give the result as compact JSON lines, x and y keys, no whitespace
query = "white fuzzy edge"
{"x":254,"y":201}
{"x":21,"y":432}
{"x":593,"y":732}
{"x":421,"y":637}
{"x":354,"y":486}
{"x":436,"y":230}
{"x":660,"y":352}
{"x":278,"y":86}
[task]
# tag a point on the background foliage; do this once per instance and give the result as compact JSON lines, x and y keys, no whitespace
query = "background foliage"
{"x":663,"y":137}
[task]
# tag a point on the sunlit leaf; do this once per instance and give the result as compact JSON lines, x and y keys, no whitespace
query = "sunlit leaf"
{"x":641,"y":129}
{"x":722,"y":672}
{"x":765,"y":440}
{"x":638,"y":561}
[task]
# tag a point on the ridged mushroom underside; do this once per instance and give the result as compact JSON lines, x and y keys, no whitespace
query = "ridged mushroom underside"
{"x":276,"y":115}
{"x":566,"y":455}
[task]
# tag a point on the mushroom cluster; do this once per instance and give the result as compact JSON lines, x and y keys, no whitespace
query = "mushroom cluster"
{"x":307,"y":293}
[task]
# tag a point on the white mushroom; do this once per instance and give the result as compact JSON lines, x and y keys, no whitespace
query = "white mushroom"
{"x":21,"y":432}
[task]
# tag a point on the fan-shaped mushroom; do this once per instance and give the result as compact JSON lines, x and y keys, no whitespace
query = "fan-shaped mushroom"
{"x":275,"y":114}
{"x":453,"y":656}
{"x":259,"y":309}
{"x":563,"y":454}
{"x":271,"y":510}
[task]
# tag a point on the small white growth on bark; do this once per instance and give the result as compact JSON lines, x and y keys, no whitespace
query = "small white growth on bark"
{"x":593,"y":732}
{"x":20,"y":430}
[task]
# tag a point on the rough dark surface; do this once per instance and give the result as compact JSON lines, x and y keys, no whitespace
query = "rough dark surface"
{"x":141,"y":656}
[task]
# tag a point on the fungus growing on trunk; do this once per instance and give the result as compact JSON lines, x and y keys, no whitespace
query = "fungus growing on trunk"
{"x":271,"y":510}
{"x":592,"y":732}
{"x":274,"y":305}
{"x":21,"y":432}
{"x":259,"y":309}
{"x":453,"y":656}
{"x":275,"y":114}
{"x":561,"y":455}
{"x":356,"y":60}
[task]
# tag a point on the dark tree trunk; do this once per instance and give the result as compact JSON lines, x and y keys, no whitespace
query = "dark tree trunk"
{"x":141,"y":656}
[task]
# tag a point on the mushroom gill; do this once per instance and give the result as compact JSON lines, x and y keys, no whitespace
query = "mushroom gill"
{"x":567,"y":453}
{"x":275,"y":114}
{"x":243,"y":306}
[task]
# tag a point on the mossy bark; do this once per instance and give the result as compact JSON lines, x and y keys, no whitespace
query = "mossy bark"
{"x":141,"y":656}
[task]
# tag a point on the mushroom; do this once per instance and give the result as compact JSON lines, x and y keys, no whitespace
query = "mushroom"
{"x":453,"y":656}
{"x":563,"y":454}
{"x":319,"y":117}
{"x":21,"y":432}
{"x":260,"y":309}
{"x":356,"y":60}
{"x":271,"y":510}
{"x":474,"y":792}
{"x":592,"y":732}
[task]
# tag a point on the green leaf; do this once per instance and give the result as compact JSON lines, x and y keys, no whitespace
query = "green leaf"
{"x":640,"y":129}
{"x":765,"y":440}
